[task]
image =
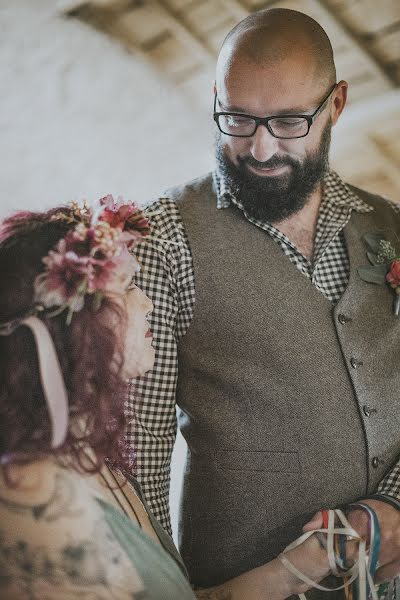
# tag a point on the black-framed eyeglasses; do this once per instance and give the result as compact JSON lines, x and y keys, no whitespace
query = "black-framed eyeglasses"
{"x":280,"y":126}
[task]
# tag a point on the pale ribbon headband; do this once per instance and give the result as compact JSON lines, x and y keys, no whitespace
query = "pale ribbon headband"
{"x":51,"y":376}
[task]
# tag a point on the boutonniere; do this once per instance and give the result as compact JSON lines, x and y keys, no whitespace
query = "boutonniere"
{"x":384,"y":267}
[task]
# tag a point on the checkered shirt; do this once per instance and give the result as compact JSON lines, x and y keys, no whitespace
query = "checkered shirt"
{"x":168,"y":279}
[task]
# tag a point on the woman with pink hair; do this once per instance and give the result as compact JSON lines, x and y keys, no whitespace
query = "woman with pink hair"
{"x":66,"y":295}
{"x":73,"y":328}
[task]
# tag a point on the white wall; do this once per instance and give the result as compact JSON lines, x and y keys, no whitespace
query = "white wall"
{"x":177,"y":464}
{"x":80,"y":117}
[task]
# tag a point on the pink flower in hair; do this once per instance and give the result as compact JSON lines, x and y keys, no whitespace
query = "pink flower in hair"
{"x":105,"y":240}
{"x":123,"y":216}
{"x":93,"y":257}
{"x":65,"y":278}
{"x":115,"y":212}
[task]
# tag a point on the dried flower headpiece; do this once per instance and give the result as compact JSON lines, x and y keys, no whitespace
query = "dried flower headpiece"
{"x":93,"y":258}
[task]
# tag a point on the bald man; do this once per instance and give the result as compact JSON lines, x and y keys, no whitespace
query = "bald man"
{"x":288,"y":361}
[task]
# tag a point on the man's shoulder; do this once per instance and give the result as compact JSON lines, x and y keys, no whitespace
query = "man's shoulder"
{"x":194,"y":187}
{"x":375,"y":200}
{"x":164,"y":211}
{"x":164,"y":215}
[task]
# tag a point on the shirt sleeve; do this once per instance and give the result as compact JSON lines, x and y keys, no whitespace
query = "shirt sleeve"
{"x":166,"y":276}
{"x":390,"y":485}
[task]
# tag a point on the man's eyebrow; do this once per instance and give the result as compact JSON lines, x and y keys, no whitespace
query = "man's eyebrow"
{"x":301,"y":110}
{"x":225,"y":108}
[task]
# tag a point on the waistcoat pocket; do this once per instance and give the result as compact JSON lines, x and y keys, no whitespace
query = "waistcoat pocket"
{"x":238,"y":460}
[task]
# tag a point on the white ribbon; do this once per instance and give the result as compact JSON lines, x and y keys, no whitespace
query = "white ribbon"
{"x":52,"y":380}
{"x":360,"y":568}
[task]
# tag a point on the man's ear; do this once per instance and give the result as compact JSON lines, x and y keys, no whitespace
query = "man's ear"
{"x":339,"y":100}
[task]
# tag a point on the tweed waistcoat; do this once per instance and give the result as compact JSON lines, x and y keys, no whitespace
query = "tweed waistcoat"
{"x":275,"y":388}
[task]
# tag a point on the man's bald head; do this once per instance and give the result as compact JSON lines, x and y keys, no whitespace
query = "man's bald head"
{"x":269,"y":37}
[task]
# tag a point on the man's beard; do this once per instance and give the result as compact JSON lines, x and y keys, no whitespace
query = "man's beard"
{"x":275,"y":198}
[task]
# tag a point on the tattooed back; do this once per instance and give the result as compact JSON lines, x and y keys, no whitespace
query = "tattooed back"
{"x":55,"y":543}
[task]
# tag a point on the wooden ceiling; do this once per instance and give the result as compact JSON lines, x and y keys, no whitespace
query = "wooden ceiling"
{"x":181,"y":39}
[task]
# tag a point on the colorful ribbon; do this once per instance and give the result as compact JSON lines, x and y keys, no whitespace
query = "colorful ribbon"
{"x":362,"y":572}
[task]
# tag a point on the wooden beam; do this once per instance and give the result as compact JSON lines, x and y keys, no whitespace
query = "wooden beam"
{"x":108,"y":21}
{"x":236,"y":8}
{"x":185,"y":34}
{"x":363,"y":47}
{"x":63,"y":6}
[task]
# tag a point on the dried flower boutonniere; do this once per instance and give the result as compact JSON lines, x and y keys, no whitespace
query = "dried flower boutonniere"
{"x":384,"y":267}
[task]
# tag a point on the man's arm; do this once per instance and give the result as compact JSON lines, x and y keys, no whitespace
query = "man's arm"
{"x":273,"y":581}
{"x":386,"y":503}
{"x":166,"y":276}
{"x":389,"y":487}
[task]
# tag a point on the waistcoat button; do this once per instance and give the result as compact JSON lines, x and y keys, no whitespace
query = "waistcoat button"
{"x":375,"y":462}
{"x":355,"y":363}
{"x":343,"y":319}
{"x":368,"y":410}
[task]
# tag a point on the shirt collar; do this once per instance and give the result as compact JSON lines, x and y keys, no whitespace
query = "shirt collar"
{"x":336,"y":192}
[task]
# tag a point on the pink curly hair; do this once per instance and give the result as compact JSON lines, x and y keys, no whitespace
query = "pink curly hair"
{"x":90,"y":352}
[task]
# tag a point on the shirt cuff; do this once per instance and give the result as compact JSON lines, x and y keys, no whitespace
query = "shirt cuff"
{"x":388,"y":499}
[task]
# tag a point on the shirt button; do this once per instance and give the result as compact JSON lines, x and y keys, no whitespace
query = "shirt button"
{"x":343,"y":319}
{"x":375,"y":462}
{"x":355,"y":363}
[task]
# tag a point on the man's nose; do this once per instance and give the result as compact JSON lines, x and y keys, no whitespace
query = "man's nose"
{"x":264,"y":145}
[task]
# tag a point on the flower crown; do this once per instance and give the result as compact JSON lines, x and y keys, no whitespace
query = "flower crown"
{"x":93,"y":258}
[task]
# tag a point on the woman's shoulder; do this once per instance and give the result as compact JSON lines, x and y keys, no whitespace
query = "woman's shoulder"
{"x":44,"y":497}
{"x":55,"y":542}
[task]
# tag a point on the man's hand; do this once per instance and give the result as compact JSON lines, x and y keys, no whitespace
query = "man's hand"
{"x":389,"y":522}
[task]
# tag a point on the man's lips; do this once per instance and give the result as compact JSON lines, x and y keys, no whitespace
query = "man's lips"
{"x":149,"y":333}
{"x":267,"y":171}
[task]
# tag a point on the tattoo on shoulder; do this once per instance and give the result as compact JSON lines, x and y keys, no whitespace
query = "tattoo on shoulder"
{"x":92,"y":569}
{"x":61,"y":502}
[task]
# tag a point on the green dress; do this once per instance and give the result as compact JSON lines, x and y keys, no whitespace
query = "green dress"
{"x":159,"y":566}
